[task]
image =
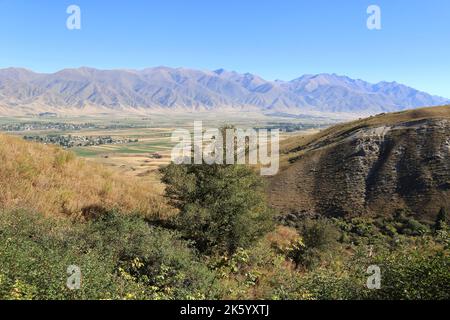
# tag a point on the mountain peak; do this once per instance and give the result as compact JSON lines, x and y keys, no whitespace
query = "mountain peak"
{"x":183,"y":88}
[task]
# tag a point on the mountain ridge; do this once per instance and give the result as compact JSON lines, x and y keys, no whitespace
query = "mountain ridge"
{"x":394,"y":162}
{"x":182,"y":89}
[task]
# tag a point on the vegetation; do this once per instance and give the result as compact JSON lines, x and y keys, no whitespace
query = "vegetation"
{"x":222,"y":207}
{"x":319,"y":239}
{"x":62,"y":126}
{"x":124,"y":257}
{"x":49,"y":180}
{"x":70,"y":141}
{"x":120,"y":257}
{"x":222,"y":243}
{"x":442,"y":220}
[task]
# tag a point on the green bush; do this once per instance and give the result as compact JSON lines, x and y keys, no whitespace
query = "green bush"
{"x":319,"y":237}
{"x":413,"y":227}
{"x":409,"y":273}
{"x":442,"y":220}
{"x":222,"y":207}
{"x":123,"y":257}
{"x":414,"y":275}
{"x":153,"y":257}
{"x":36,"y":253}
{"x":120,"y":257}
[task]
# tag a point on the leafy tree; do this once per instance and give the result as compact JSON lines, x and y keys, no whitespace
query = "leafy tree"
{"x":222,"y":207}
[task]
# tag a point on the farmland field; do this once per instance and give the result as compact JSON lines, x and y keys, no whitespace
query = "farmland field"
{"x":152,"y":149}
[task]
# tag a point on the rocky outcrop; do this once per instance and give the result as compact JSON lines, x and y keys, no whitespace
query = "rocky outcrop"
{"x":370,"y":171}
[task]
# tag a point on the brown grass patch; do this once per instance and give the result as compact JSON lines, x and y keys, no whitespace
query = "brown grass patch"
{"x":52,"y":181}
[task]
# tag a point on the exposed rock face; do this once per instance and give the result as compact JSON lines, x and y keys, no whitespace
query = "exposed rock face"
{"x":370,"y":171}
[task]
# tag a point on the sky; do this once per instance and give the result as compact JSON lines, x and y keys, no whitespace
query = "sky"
{"x":276,"y":39}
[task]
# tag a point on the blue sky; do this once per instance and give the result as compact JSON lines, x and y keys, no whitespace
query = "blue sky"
{"x":277,"y":39}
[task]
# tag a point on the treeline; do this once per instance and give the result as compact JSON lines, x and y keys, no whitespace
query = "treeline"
{"x":70,"y":141}
{"x":65,"y":126}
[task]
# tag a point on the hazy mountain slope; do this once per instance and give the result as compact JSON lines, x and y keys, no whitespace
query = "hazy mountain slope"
{"x":86,"y":89}
{"x":342,"y":94}
{"x":373,"y":166}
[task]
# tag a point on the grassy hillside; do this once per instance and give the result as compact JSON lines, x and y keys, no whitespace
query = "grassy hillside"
{"x":294,"y":146}
{"x":378,"y":165}
{"x":52,"y":181}
{"x":221,"y":245}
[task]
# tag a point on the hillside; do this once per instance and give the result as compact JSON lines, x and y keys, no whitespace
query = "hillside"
{"x":87,"y":90}
{"x":373,"y":166}
{"x":51,"y":181}
{"x":222,"y":245}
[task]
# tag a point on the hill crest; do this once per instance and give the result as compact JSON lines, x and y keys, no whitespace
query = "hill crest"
{"x":374,"y":166}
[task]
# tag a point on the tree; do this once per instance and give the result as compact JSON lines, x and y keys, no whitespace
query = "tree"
{"x":441,"y":220}
{"x":222,"y":207}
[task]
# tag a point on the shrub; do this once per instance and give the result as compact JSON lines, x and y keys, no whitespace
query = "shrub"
{"x":441,"y":220}
{"x":222,"y":207}
{"x":36,"y":253}
{"x":120,"y":257}
{"x":155,"y":258}
{"x":422,"y":274}
{"x":413,"y":227}
{"x":319,"y":238}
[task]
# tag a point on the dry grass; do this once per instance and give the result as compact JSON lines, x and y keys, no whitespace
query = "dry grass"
{"x":382,"y":119}
{"x":52,"y":181}
{"x":297,"y":145}
{"x":319,"y":173}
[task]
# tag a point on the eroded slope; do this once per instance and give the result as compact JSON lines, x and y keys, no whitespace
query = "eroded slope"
{"x":370,"y":167}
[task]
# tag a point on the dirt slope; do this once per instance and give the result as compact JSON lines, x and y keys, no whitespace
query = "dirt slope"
{"x":369,"y":167}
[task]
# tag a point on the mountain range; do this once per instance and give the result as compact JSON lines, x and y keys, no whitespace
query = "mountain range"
{"x":87,"y":90}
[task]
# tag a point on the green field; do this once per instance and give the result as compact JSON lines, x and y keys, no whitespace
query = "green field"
{"x":153,"y":133}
